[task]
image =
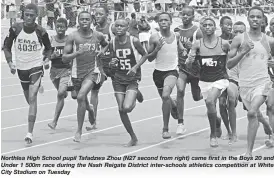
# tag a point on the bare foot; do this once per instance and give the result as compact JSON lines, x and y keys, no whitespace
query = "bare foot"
{"x":52,"y":125}
{"x":77,"y":137}
{"x":132,"y":142}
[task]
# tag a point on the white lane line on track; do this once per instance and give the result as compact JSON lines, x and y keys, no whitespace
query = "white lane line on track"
{"x":166,"y":141}
{"x":98,"y":131}
{"x":43,"y":104}
{"x":103,"y":109}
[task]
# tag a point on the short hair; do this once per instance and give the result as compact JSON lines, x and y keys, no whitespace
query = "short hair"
{"x":223,"y":19}
{"x":189,"y":7}
{"x":105,"y":9}
{"x":32,"y":7}
{"x":165,"y":13}
{"x":84,"y":12}
{"x":240,"y":23}
{"x":62,"y":20}
{"x":257,"y":8}
{"x":208,"y":18}
{"x":133,"y":15}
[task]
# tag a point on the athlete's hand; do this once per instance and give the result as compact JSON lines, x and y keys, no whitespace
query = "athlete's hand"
{"x":247,"y":46}
{"x":12,"y":68}
{"x":54,"y":54}
{"x":114,"y":63}
{"x":46,"y":64}
{"x":160,"y":43}
{"x":189,"y":61}
{"x":188,"y":45}
{"x":132,"y":71}
{"x":82,"y":50}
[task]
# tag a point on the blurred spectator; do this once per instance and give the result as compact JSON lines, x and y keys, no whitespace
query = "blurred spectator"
{"x":71,"y":12}
{"x":11,"y":11}
{"x":144,"y":35}
{"x":41,"y":10}
{"x":133,"y":26}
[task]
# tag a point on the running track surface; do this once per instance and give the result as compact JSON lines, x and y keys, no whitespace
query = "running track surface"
{"x":110,"y":136}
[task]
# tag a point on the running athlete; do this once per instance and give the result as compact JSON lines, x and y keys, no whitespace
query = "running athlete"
{"x":188,"y":34}
{"x":125,"y":49}
{"x":81,"y":47}
{"x":211,"y":52}
{"x":60,"y":72}
{"x":30,"y":40}
{"x":104,"y":26}
{"x":251,"y":52}
{"x":163,"y":48}
{"x":226,"y":28}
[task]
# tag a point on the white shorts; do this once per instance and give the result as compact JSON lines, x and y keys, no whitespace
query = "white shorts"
{"x":249,"y":93}
{"x":207,"y":86}
{"x":144,"y":36}
{"x":233,"y":73}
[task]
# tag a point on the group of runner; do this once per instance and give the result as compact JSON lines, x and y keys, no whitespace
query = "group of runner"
{"x":226,"y":66}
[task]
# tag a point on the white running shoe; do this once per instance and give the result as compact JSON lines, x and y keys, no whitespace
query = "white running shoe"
{"x":28,"y":138}
{"x":180,"y":129}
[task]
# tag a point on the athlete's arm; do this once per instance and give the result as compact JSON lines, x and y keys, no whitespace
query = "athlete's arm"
{"x":226,"y":46}
{"x":114,"y":61}
{"x":234,"y":56}
{"x":199,"y":34}
{"x":69,"y":54}
{"x":46,"y":42}
{"x":155,"y":44}
{"x":8,"y":42}
{"x":104,"y":44}
{"x":141,"y":50}
{"x":180,"y":44}
{"x":7,"y":49}
{"x":271,"y":61}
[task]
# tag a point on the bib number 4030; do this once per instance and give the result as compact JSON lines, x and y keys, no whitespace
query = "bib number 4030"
{"x":125,"y":64}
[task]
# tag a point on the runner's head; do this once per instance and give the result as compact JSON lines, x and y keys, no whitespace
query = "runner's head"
{"x":84,"y":20}
{"x":101,"y":14}
{"x":164,"y":20}
{"x":61,"y":26}
{"x":208,"y":26}
{"x":239,"y":28}
{"x":271,"y":26}
{"x":264,"y":24}
{"x":187,"y":15}
{"x":30,"y":14}
{"x":226,"y":24}
{"x":255,"y":17}
{"x":121,"y":27}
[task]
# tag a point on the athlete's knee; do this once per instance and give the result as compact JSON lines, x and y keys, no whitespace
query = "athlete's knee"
{"x":32,"y":98}
{"x":127,"y":108}
{"x":74,"y":94}
{"x":210,"y":103}
{"x":222,"y":104}
{"x":62,"y":94}
{"x":81,"y":97}
{"x":251,"y":114}
{"x":270,"y":107}
{"x":180,"y":93}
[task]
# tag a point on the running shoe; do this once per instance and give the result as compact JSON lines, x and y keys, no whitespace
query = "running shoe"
{"x":180,"y":129}
{"x":166,"y":135}
{"x":28,"y":138}
{"x":213,"y":142}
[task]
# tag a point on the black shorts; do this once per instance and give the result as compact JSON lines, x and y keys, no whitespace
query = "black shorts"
{"x":30,"y":76}
{"x":124,"y":87}
{"x":160,"y":76}
{"x":190,"y":78}
{"x":233,"y":81}
{"x":77,"y":82}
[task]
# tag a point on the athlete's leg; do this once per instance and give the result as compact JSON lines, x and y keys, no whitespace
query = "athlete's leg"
{"x":82,"y":105}
{"x":169,"y":83}
{"x":94,"y":103}
{"x":223,"y":113}
{"x":253,"y":123}
{"x":61,"y":86}
{"x":210,"y":101}
{"x":128,"y":105}
{"x":35,"y":79}
{"x":181,"y":85}
{"x":270,"y":108}
{"x":195,"y":89}
{"x":26,"y":94}
{"x":232,"y":93}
